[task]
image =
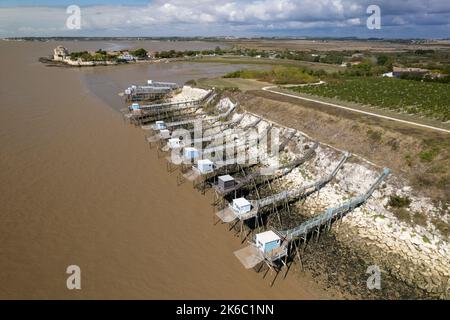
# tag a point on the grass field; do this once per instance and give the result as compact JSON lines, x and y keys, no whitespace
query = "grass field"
{"x":227,"y":83}
{"x":431,"y":100}
{"x":329,"y":68}
{"x":278,"y":75}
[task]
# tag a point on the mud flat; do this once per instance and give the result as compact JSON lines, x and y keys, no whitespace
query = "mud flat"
{"x":80,"y":187}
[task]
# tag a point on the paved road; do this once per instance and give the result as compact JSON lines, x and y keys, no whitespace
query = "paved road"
{"x":269,"y":89}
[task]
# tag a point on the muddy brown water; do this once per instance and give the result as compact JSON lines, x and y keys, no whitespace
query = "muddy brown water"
{"x":81,"y":187}
{"x":107,"y":82}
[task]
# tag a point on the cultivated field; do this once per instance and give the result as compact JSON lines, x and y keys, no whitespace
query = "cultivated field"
{"x":413,"y":97}
{"x":337,"y":45}
{"x":329,"y":68}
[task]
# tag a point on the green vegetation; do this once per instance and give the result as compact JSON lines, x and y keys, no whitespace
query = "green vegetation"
{"x":139,"y":53}
{"x":436,"y":60}
{"x":319,"y":67}
{"x":428,"y":155}
{"x":278,"y":75}
{"x":399,"y":202}
{"x":83,"y":55}
{"x":102,"y":55}
{"x":171,"y":54}
{"x":423,"y":98}
{"x":99,"y":55}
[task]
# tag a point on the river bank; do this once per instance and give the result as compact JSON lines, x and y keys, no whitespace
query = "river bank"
{"x":410,"y":243}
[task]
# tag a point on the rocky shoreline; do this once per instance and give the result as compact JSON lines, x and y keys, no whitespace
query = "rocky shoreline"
{"x":414,"y":258}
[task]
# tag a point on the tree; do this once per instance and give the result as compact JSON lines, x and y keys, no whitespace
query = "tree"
{"x":382,"y":60}
{"x":446,"y":70}
{"x":140,"y":53}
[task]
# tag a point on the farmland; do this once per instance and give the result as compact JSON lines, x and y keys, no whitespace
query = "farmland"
{"x":278,"y":75}
{"x":431,"y":100}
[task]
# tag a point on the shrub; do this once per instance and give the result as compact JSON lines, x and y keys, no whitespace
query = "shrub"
{"x":191,"y":82}
{"x":140,"y":53}
{"x":408,"y":160}
{"x":399,"y":202}
{"x":428,"y":155}
{"x":420,"y":219}
{"x":442,"y":226}
{"x":402,"y":214}
{"x":375,"y":136}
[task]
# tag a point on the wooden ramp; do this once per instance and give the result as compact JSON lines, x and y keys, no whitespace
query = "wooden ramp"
{"x":191,"y":175}
{"x":226,"y":215}
{"x":166,"y":148}
{"x":177,"y":160}
{"x":249,"y":256}
{"x":147,"y":127}
{"x":154,"y":138}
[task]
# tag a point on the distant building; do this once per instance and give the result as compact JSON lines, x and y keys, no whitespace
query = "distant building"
{"x":60,"y":53}
{"x":126,"y":56}
{"x":398,"y":72}
{"x":437,"y":75}
{"x":358,"y":55}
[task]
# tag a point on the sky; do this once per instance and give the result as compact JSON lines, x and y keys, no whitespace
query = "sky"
{"x":246,"y":18}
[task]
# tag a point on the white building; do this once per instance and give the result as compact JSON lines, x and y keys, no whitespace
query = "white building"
{"x":164,"y":134}
{"x":241,"y":205}
{"x":160,"y":125}
{"x":191,"y":153}
{"x":175,"y":143}
{"x":205,"y":166}
{"x":267,"y":241}
{"x":60,"y":53}
{"x":126,"y":56}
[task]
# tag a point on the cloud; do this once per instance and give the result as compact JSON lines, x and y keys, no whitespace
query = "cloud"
{"x":229,"y":17}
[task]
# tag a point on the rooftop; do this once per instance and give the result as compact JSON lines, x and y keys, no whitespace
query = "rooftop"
{"x":241,"y":202}
{"x":267,"y":236}
{"x":398,"y":69}
{"x":204,"y":161}
{"x":226,"y":178}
